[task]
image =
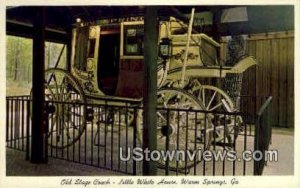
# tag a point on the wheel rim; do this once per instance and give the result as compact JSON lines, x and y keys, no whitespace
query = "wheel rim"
{"x":215,"y":99}
{"x":182,"y":127}
{"x":67,"y":123}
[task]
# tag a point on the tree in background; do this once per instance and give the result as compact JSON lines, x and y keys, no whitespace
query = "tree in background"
{"x":17,"y":58}
{"x":19,"y":63}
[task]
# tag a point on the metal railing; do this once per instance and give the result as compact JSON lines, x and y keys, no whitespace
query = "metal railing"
{"x":263,"y":134}
{"x":99,"y":134}
{"x":18,"y":123}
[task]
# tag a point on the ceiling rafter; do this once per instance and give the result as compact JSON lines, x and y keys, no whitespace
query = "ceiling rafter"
{"x":61,"y":18}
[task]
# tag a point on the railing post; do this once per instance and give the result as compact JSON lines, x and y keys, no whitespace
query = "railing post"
{"x":262,"y":134}
{"x":28,"y":102}
{"x":134,"y":138}
{"x":256,"y":142}
{"x":7,"y":119}
{"x":150,"y":87}
{"x":167,"y":142}
{"x":49,"y":109}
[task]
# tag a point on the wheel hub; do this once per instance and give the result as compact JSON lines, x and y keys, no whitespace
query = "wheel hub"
{"x":167,"y":130}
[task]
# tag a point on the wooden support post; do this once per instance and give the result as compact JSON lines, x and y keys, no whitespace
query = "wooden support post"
{"x":216,"y":24}
{"x":217,"y":37}
{"x":38,"y":94}
{"x":150,"y":87}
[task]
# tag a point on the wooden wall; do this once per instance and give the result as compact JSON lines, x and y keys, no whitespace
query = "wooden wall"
{"x":274,"y":74}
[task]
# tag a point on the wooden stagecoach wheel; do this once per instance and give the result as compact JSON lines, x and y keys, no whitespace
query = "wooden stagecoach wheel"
{"x":183,"y":125}
{"x":68,"y":121}
{"x":215,"y":99}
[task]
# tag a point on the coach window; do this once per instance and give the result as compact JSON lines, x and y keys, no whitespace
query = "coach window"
{"x":81,"y":48}
{"x":134,"y":40}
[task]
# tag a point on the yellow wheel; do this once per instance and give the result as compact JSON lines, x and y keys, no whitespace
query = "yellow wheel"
{"x":178,"y":124}
{"x":68,"y":122}
{"x":215,"y":99}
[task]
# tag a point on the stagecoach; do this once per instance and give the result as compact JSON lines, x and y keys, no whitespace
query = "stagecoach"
{"x":107,"y":67}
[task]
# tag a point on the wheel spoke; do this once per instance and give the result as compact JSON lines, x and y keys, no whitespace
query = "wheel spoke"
{"x":62,"y":89}
{"x":50,"y":90}
{"x":203,"y":96}
{"x":214,"y":98}
{"x":215,"y":107}
{"x":161,"y":116}
{"x":56,"y":86}
{"x":68,"y":97}
{"x":66,"y":116}
{"x":178,"y":121}
{"x":211,"y":100}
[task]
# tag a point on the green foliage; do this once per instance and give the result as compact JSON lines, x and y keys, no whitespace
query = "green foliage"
{"x":19,"y":63}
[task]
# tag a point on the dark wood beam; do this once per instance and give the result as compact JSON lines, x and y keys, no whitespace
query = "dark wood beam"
{"x":150,"y":87}
{"x":216,"y":24}
{"x":38,"y":89}
{"x":26,"y":30}
{"x":262,"y":19}
{"x":243,"y":28}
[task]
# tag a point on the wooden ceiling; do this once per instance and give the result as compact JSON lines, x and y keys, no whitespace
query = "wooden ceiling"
{"x":59,"y":19}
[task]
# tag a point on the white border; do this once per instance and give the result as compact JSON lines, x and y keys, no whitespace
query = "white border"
{"x":249,"y":181}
